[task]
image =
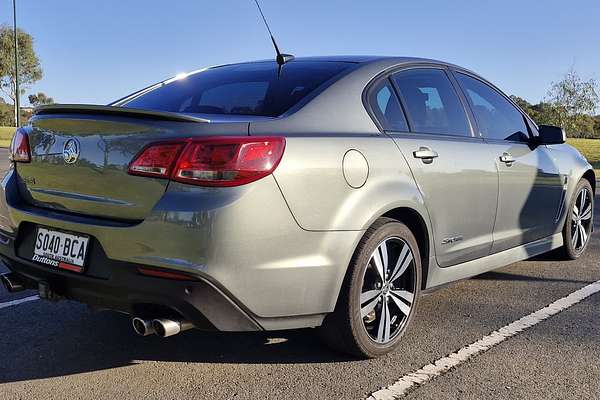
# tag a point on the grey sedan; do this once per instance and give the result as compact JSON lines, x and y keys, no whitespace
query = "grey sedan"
{"x":327,"y":192}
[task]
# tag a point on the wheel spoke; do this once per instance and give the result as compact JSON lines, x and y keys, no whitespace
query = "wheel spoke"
{"x":388,"y":322}
{"x":404,"y":308}
{"x":575,"y":236}
{"x":583,"y":235}
{"x":368,"y":295}
{"x":404,"y":294}
{"x":378,"y":264}
{"x":404,"y":261}
{"x":587,"y":213}
{"x":575,"y":213}
{"x":583,"y":198}
{"x":384,"y":256}
{"x":369,"y":307}
{"x":383,"y":333}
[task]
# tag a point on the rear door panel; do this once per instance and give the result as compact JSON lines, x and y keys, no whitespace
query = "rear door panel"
{"x":460,"y":188}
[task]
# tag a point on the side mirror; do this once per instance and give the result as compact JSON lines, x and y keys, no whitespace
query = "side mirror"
{"x":551,"y":135}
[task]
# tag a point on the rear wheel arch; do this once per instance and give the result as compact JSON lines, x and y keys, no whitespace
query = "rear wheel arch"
{"x":416,"y":223}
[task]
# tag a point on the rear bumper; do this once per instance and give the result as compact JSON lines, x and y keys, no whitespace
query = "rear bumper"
{"x":124,"y":289}
{"x":241,"y":244}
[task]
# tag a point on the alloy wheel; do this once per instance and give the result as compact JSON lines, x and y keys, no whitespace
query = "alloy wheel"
{"x":581,"y":219}
{"x":388,"y":288}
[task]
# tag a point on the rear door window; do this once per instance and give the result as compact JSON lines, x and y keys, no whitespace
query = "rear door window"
{"x":431,"y":102}
{"x":386,"y":107}
{"x":496,"y":117}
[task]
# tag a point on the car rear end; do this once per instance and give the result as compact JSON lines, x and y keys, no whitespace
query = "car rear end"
{"x":161,"y":206}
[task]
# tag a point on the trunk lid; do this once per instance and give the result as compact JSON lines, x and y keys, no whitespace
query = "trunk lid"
{"x":105,"y":140}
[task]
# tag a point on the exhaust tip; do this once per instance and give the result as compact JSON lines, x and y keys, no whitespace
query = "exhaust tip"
{"x":167,"y":327}
{"x":142,"y":327}
{"x":12,"y":283}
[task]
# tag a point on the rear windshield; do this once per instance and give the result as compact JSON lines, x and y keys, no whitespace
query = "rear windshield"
{"x":241,"y":89}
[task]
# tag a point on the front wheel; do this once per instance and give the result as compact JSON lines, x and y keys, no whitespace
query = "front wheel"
{"x":578,"y":224}
{"x":380,"y":292}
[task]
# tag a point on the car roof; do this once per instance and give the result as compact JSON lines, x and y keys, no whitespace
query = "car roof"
{"x":361,"y":59}
{"x":356,"y":59}
{"x":364,"y":60}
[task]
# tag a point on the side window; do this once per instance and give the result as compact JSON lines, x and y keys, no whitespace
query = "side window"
{"x":496,"y":116}
{"x":386,"y":107}
{"x":431,"y":102}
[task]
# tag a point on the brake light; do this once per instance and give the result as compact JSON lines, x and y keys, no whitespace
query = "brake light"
{"x":228,"y":161}
{"x":217,"y":161}
{"x":19,"y":147}
{"x":156,"y":160}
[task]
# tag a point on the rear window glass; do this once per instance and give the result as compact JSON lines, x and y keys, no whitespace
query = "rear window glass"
{"x":432,"y":102}
{"x":241,"y":89}
{"x":386,"y":107}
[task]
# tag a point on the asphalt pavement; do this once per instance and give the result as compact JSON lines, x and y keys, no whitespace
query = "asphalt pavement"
{"x":65,"y":350}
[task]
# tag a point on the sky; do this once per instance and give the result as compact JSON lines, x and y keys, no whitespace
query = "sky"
{"x":98,"y":51}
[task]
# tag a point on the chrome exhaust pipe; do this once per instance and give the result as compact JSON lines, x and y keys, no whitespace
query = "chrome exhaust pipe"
{"x":12,"y":282}
{"x":168,"y":327}
{"x":142,"y":327}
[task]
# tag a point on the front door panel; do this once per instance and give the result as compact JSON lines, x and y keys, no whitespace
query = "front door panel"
{"x":460,"y":188}
{"x":530,"y":192}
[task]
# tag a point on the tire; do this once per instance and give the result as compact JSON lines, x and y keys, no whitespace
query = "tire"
{"x":578,"y":223}
{"x":358,"y":325}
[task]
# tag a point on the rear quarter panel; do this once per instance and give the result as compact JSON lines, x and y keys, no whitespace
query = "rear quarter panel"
{"x":312,"y":180}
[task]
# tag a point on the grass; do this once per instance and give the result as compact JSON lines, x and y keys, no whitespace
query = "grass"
{"x":590,"y":148}
{"x":6,"y":133}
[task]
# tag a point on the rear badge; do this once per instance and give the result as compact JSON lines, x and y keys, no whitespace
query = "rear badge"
{"x":71,"y":151}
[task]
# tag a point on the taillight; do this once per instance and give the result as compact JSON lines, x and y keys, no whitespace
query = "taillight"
{"x":19,"y":147}
{"x":220,"y":161}
{"x":228,"y":161}
{"x":156,"y":160}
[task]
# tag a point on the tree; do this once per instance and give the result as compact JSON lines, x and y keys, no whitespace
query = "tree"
{"x":526,"y":106}
{"x":30,"y":70}
{"x":7,"y":116}
{"x":39,"y":99}
{"x":542,"y":113}
{"x":573,"y":102}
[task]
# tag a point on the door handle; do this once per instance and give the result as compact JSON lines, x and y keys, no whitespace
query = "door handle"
{"x":507,"y":158}
{"x":425,"y":154}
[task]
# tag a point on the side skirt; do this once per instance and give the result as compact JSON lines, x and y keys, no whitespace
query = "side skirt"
{"x":442,"y":276}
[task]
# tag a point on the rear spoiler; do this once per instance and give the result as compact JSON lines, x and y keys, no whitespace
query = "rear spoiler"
{"x":112,"y":110}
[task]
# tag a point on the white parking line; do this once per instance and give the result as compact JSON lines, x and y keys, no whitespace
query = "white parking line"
{"x":445,"y":364}
{"x":18,"y":301}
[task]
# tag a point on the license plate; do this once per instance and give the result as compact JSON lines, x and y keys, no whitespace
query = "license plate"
{"x":60,"y":249}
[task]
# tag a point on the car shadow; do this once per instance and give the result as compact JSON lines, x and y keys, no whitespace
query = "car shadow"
{"x":505,"y":276}
{"x":78,"y":341}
